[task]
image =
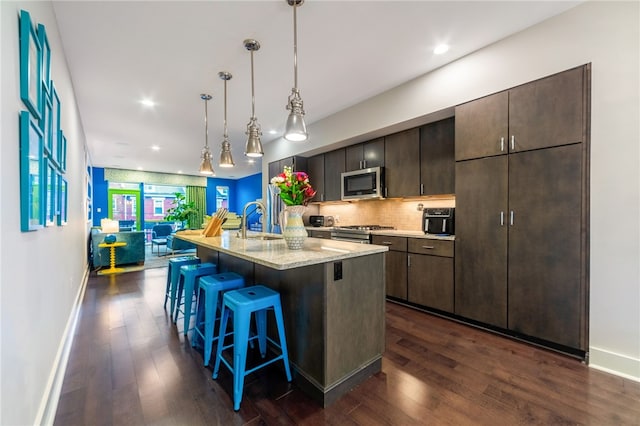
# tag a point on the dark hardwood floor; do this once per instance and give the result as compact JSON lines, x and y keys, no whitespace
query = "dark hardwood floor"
{"x":130,"y":366}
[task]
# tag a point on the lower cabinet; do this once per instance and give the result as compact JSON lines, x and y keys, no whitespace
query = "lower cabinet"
{"x":430,"y":273}
{"x":395,"y":266}
{"x":419,"y":270}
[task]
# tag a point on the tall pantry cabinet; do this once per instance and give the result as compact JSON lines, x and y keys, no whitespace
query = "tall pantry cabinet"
{"x":521,"y":252}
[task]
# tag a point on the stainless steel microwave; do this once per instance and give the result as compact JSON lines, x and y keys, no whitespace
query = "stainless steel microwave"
{"x":363,"y":184}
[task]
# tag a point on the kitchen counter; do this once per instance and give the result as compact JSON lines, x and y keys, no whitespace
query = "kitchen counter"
{"x":333,"y":298}
{"x":274,"y":253}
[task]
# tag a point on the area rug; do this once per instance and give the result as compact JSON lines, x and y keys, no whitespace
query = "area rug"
{"x":152,"y":260}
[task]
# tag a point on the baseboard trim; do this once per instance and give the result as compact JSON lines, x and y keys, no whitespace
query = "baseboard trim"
{"x":614,"y":363}
{"x":49,"y":404}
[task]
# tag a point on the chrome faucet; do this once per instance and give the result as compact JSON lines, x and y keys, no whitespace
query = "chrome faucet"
{"x":243,"y":223}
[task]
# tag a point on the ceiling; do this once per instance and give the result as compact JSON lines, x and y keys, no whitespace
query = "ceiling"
{"x":120,"y":52}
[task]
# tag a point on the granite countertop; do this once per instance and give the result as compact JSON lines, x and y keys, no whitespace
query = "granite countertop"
{"x":275,"y":254}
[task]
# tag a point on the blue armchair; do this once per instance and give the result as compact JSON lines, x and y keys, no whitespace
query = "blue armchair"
{"x":176,"y":244}
{"x":159,"y":234}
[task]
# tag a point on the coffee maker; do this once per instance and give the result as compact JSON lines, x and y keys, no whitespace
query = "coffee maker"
{"x":439,"y":221}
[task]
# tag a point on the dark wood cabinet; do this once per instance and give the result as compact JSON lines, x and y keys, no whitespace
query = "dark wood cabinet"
{"x":519,"y":243}
{"x":274,"y":169}
{"x":402,"y":163}
{"x":395,"y":264}
{"x":545,"y":268}
{"x":365,"y":155}
{"x":482,"y":127}
{"x":295,"y":162}
{"x":430,"y":273}
{"x":522,"y":218}
{"x":315,"y":170}
{"x":547,"y":112}
{"x":481,"y":240}
{"x":437,"y":159}
{"x":333,"y":167}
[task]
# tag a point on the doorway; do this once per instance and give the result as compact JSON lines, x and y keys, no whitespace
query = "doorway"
{"x":124,"y":206}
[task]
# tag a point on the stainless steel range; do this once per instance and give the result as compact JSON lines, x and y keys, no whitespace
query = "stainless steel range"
{"x":356,"y":233}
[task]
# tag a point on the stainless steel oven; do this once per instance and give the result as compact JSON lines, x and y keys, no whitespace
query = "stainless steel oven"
{"x":356,"y":233}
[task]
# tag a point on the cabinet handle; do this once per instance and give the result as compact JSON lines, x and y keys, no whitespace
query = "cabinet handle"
{"x":322,"y":197}
{"x":408,"y":260}
{"x":364,"y":164}
{"x":502,"y":144}
{"x":387,"y":243}
{"x":428,"y":247}
{"x":511,"y":218}
{"x":501,"y":218}
{"x":386,"y":192}
{"x":513,"y":142}
{"x":421,"y":188}
{"x":360,"y":163}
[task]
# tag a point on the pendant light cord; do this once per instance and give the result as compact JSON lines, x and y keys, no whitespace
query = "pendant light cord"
{"x":206,"y":125}
{"x":225,"y":110}
{"x":295,"y":46}
{"x":253,"y":96}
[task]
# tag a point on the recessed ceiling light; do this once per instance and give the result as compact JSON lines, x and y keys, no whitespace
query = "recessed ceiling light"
{"x":179,"y":172}
{"x":155,"y":148}
{"x":148,"y":103}
{"x":140,"y":168}
{"x":440,"y":49}
{"x":272,"y":132}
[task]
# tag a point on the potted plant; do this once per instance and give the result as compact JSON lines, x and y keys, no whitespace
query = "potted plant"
{"x":181,"y":211}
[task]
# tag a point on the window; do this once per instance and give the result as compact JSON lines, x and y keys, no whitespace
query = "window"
{"x":157,"y":200}
{"x":222,"y":197}
{"x":158,"y":207}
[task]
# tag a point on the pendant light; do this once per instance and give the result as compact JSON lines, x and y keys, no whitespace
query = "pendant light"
{"x":226,"y":159}
{"x":296,"y":129}
{"x":254,"y":146}
{"x":205,"y":167}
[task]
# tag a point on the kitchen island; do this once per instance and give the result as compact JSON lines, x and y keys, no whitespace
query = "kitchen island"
{"x":332,"y":295}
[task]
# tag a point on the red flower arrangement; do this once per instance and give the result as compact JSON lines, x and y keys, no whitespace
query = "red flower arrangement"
{"x":295,"y":189}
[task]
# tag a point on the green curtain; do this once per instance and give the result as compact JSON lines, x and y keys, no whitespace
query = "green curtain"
{"x":197,"y":195}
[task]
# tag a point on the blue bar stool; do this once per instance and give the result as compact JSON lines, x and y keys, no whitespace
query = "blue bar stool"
{"x":189,"y":275}
{"x":243,"y":302}
{"x":210,"y":291}
{"x":173,"y":274}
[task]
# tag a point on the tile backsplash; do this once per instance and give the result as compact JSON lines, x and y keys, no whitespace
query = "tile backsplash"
{"x":400,"y":213}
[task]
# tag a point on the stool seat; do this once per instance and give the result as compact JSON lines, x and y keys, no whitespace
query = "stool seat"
{"x":189,"y":275}
{"x":244,"y":302}
{"x":173,"y":274}
{"x":210,"y":293}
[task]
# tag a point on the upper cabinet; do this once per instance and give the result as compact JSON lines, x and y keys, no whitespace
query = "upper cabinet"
{"x":315,"y":170}
{"x":295,"y":162}
{"x":365,"y":155}
{"x":402,"y":163}
{"x":543,"y":113}
{"x":437,"y":162}
{"x":333,"y":167}
{"x":548,"y":112}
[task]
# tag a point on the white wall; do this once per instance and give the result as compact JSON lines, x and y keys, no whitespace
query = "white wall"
{"x":605,"y":34}
{"x":41,"y":272}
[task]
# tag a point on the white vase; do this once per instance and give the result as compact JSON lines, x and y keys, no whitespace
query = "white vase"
{"x":294,"y":231}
